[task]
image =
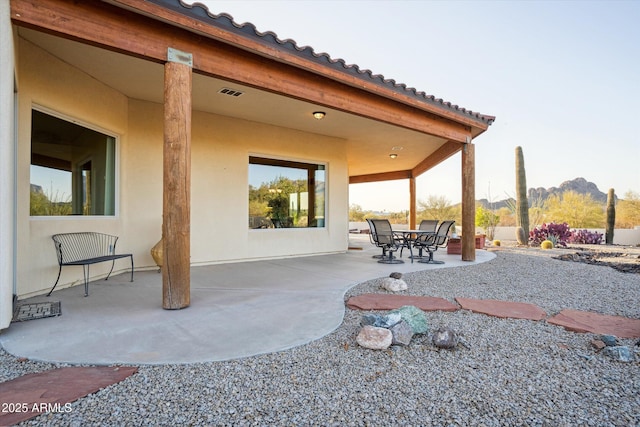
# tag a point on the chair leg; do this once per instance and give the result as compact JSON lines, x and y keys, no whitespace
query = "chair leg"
{"x":132,"y":268}
{"x":430,"y":260}
{"x":56,"y":284}
{"x":390,"y":259}
{"x":383,"y":255}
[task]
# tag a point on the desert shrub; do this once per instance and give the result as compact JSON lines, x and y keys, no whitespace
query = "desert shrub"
{"x":586,"y":237}
{"x":546,"y":244}
{"x":558,"y":234}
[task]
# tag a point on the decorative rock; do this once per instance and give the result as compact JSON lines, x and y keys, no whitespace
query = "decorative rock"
{"x":394,"y":301}
{"x":609,"y":340}
{"x":402,"y":333}
{"x":620,"y":353}
{"x":374,"y":338}
{"x":371,"y":320}
{"x":414,"y":317}
{"x":598,"y":344}
{"x":396,"y":275}
{"x":380,"y":321}
{"x":445,"y":338}
{"x":390,"y":319}
{"x":506,"y":309}
{"x":586,"y":321}
{"x":394,"y":285}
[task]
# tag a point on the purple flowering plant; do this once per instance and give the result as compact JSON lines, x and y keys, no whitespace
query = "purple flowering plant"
{"x":559,"y":234}
{"x":586,"y":237}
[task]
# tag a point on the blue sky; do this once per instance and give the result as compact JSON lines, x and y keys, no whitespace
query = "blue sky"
{"x":562,"y":78}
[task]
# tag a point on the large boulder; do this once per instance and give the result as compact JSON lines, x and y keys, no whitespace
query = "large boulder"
{"x":413,"y":316}
{"x":393,"y":285}
{"x":445,"y":338}
{"x":374,"y":338}
{"x":402,"y":333}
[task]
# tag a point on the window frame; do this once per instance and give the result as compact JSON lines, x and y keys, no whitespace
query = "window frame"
{"x":115,"y":182}
{"x":311,"y":167}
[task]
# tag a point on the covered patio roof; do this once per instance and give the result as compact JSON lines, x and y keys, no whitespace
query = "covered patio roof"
{"x":371,"y":113}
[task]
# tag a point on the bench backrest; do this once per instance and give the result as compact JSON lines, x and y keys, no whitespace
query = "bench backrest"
{"x":71,"y":247}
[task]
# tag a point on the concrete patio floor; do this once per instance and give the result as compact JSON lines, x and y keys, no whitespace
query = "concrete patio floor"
{"x":237,"y":310}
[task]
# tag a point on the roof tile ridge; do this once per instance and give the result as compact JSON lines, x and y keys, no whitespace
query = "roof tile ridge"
{"x":267,"y":36}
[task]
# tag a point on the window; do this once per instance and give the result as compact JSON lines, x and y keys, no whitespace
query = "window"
{"x":286,"y":194}
{"x":72,"y":168}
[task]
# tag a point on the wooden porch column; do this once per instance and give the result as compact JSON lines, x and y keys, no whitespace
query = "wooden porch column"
{"x":176,"y":226}
{"x":412,"y":203}
{"x":468,"y":202}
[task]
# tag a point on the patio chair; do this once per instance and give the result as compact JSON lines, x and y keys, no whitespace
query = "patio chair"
{"x":372,"y":239}
{"x":384,"y":237}
{"x":439,"y":240}
{"x":422,"y":240}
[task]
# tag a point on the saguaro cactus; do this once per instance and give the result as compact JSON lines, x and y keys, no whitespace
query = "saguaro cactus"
{"x":611,"y":217}
{"x":522,"y":204}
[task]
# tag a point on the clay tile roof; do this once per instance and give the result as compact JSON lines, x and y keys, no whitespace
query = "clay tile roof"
{"x":225,"y":21}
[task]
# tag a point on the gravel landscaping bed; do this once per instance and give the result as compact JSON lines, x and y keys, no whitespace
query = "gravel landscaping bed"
{"x":510,"y":372}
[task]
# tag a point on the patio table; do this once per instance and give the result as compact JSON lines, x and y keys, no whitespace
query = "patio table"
{"x":410,"y":236}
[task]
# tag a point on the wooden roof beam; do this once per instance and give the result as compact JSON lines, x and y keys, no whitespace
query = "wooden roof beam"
{"x":441,"y":154}
{"x":383,"y":176}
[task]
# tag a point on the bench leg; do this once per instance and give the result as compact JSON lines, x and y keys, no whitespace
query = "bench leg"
{"x":85,"y":270}
{"x":113,"y":263}
{"x":58,"y":279}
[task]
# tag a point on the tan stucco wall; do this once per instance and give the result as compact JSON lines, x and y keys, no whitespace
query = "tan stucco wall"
{"x":49,"y":83}
{"x":7,"y":166}
{"x":220,"y":150}
{"x":219,"y":206}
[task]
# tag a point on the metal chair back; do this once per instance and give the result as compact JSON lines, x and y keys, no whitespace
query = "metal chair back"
{"x":428,"y":224}
{"x":442,"y":236}
{"x":383,"y":232}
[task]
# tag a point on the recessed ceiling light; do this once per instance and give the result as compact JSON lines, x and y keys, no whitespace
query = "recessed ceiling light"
{"x":319,"y":115}
{"x":393,"y":155}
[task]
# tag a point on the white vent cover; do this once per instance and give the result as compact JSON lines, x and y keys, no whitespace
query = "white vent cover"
{"x":230,"y":92}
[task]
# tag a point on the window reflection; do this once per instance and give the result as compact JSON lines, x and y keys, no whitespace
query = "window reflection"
{"x":72,"y":168}
{"x":286,"y":194}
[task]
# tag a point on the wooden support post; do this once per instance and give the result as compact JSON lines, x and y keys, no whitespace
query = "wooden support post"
{"x":412,"y":203}
{"x":176,"y":203}
{"x":468,"y":202}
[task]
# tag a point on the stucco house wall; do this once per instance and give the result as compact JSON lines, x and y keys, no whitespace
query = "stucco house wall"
{"x":220,"y":152}
{"x":7,"y":159}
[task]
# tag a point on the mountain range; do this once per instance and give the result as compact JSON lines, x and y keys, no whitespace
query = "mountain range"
{"x":579,"y":185}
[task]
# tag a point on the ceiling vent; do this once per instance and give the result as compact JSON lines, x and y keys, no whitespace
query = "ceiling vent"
{"x":230,"y":92}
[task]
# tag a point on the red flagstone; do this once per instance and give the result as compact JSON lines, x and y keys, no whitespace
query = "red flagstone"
{"x":584,"y":321}
{"x":504,"y":309}
{"x":33,"y":394}
{"x":391,"y":302}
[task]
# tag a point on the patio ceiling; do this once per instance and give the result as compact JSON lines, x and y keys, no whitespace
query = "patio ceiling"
{"x":369,"y":142}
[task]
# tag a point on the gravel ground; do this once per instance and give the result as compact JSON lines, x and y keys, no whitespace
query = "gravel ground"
{"x":512,"y":372}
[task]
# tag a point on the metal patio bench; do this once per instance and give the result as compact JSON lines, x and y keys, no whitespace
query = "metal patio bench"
{"x":86,"y":248}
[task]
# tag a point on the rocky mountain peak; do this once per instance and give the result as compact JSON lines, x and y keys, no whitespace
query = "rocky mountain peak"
{"x":579,"y":185}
